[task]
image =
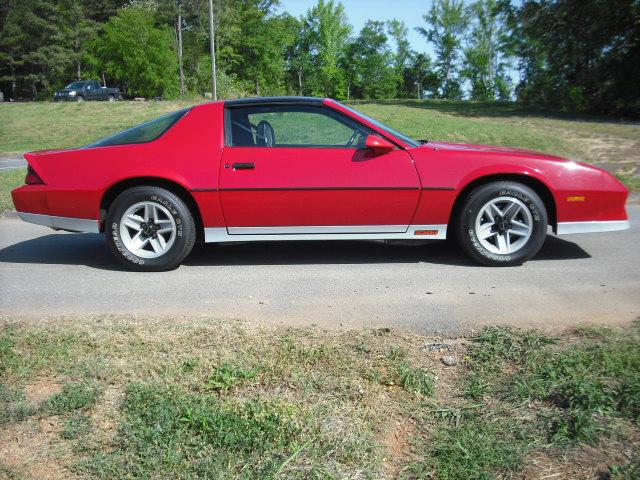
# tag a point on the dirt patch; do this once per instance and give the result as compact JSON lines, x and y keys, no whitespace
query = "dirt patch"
{"x":397,"y":442}
{"x":43,"y":388}
{"x":588,"y":462}
{"x":34,"y":450}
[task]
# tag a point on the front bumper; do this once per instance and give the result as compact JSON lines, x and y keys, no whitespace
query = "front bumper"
{"x":565,"y":228}
{"x":62,"y":223}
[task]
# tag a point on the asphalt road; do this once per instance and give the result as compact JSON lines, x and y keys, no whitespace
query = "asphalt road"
{"x":426,"y":288}
{"x":8,"y":163}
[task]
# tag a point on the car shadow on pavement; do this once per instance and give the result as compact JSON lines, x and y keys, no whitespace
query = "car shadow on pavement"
{"x":91,"y":250}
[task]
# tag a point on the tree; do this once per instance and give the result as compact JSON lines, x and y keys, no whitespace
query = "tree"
{"x":579,"y":55}
{"x":402,"y":56}
{"x":30,"y":59}
{"x":75,"y":32}
{"x":485,"y":55}
{"x":327,"y":31}
{"x":372,"y":75}
{"x":138,"y":54}
{"x":447,"y":20}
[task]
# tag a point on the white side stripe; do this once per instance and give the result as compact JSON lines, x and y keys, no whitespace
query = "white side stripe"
{"x":437,"y":232}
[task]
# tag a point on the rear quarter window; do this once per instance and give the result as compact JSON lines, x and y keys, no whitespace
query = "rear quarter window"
{"x":143,"y":133}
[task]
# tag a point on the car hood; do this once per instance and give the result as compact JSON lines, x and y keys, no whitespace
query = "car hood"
{"x":517,"y":152}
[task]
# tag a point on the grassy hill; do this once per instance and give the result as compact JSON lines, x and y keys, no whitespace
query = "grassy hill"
{"x":611,"y":144}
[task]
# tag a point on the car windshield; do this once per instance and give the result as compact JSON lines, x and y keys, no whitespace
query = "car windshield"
{"x":386,"y":128}
{"x":74,"y":85}
{"x":145,"y":132}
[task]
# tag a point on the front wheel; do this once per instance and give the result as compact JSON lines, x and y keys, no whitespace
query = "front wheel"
{"x":150,"y":229}
{"x":502,"y":224}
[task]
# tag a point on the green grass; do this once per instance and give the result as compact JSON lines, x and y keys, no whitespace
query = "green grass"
{"x":527,"y":394}
{"x":210,"y":399}
{"x":9,"y":179}
{"x":74,"y":396}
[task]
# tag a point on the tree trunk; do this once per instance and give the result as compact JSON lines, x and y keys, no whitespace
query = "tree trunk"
{"x":300,"y":81}
{"x":257,"y":86}
{"x":180,"y":63}
{"x":104,"y":80}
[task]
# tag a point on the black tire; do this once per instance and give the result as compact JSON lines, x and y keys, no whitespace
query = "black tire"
{"x":185,"y":229}
{"x":79,"y":99}
{"x":466,"y":223}
{"x":111,"y":98}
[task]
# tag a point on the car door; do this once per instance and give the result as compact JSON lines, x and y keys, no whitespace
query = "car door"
{"x":303,"y":169}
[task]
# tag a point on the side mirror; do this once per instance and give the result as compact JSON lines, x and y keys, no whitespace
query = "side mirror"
{"x":378,"y":145}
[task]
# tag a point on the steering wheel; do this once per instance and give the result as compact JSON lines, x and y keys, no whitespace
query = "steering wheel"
{"x":265,"y":135}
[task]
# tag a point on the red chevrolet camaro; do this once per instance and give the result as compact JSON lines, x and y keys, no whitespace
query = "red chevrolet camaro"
{"x":296,"y":168}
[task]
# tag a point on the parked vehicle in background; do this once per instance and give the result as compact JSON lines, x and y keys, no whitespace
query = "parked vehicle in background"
{"x":87,"y":90}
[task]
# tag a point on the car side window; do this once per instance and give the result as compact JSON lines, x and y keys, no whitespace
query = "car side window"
{"x":297,"y":126}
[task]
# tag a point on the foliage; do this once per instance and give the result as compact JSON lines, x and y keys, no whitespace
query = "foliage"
{"x":170,"y":433}
{"x":568,"y":55}
{"x":575,"y":57}
{"x":74,"y":396}
{"x":447,"y":20}
{"x":136,"y":50}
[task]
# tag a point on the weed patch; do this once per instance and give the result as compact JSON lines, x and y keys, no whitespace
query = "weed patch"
{"x":168,"y":432}
{"x":74,"y":396}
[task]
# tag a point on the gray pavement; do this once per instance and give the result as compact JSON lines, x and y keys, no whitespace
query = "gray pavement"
{"x":426,"y":288}
{"x":8,"y":163}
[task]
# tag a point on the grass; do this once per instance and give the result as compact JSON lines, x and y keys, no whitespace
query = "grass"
{"x":9,"y":179}
{"x":203,"y":399}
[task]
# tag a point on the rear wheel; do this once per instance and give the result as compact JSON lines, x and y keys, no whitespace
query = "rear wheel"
{"x":150,"y":229}
{"x":111,"y":98}
{"x":502,"y":224}
{"x":79,"y":98}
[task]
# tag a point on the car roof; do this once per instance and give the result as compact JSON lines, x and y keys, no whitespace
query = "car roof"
{"x":238,"y":102}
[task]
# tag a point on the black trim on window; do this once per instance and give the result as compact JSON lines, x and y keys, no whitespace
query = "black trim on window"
{"x":127,"y":137}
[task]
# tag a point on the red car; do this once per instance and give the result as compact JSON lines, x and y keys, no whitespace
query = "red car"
{"x":295,"y":168}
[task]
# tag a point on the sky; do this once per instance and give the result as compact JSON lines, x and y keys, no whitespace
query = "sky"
{"x":359,"y":11}
{"x":408,"y":11}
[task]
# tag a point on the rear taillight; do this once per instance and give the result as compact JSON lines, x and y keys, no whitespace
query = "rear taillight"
{"x":32,"y":177}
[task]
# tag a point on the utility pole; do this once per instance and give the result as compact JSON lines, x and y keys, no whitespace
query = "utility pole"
{"x":214,"y":89}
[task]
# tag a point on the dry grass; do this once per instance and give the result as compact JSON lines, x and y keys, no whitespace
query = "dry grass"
{"x":110,"y":397}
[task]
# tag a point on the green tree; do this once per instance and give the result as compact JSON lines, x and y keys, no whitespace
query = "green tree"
{"x":75,"y":32}
{"x":30,"y":59}
{"x":327,"y":31}
{"x":579,"y":55}
{"x":138,"y":53}
{"x":485,"y":59}
{"x":401,"y":57}
{"x":372,"y":75}
{"x":447,"y":21}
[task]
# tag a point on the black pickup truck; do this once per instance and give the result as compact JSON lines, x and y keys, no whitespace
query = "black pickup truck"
{"x":87,"y":90}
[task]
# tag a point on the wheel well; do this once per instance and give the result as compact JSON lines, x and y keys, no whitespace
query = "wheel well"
{"x":536,"y":185}
{"x":115,"y":190}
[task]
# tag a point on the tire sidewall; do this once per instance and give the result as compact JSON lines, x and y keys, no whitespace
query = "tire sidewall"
{"x":185,"y":229}
{"x":467,"y":234}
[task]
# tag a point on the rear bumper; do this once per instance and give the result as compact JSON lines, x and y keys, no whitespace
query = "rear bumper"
{"x":565,"y":228}
{"x":62,"y":223}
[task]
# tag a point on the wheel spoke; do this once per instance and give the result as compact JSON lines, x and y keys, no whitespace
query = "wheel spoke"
{"x":521,"y":232}
{"x":155,"y":244}
{"x":495,"y":208}
{"x":502,"y":243}
{"x":131,"y":223}
{"x":137,"y":242}
{"x":512,"y":210}
{"x":485,"y":231}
